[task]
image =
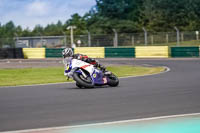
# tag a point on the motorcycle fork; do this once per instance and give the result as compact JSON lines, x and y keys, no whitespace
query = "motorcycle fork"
{"x":83,"y":73}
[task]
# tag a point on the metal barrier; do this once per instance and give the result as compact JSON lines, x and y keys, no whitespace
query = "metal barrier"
{"x":152,"y":52}
{"x":184,"y":51}
{"x":119,"y":52}
{"x":34,"y":53}
{"x":93,"y":52}
{"x":11,"y":53}
{"x":103,"y":52}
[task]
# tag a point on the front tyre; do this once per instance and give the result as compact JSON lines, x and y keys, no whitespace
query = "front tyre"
{"x":78,"y":85}
{"x":81,"y":81}
{"x":113,"y":81}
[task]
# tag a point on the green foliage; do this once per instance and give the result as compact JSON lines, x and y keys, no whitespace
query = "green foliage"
{"x":77,"y":21}
{"x":163,"y":15}
{"x":122,"y":15}
{"x":155,"y":15}
{"x":38,"y":30}
{"x":111,"y":8}
{"x":54,"y":29}
{"x":7,"y":31}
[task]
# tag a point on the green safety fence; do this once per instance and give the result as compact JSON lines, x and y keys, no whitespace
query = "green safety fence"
{"x":184,"y":51}
{"x":54,"y":52}
{"x":119,"y":52}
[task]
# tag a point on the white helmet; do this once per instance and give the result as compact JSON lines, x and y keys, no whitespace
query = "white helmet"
{"x":68,"y":52}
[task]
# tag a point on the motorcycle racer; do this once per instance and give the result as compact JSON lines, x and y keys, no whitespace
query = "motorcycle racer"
{"x":68,"y":52}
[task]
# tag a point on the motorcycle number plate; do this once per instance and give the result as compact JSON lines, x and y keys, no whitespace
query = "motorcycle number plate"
{"x":105,"y":80}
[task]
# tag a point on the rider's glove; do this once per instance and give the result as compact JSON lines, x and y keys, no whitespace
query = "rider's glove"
{"x":65,"y":73}
{"x":70,"y":74}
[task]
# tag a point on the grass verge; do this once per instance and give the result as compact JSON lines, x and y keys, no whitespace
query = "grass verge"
{"x":29,"y":76}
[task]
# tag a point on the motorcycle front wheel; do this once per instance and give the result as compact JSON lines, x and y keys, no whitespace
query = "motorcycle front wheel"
{"x":82,"y":81}
{"x":113,"y":81}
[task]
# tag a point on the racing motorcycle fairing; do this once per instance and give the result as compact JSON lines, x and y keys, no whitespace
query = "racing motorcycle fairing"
{"x":98,"y":77}
{"x":86,"y":69}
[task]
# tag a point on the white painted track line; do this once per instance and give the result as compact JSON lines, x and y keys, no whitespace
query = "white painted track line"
{"x":101,"y":124}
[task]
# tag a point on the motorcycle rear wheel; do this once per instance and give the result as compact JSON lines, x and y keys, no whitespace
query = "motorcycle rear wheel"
{"x":81,"y":81}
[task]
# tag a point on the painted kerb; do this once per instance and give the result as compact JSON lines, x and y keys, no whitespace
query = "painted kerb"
{"x":152,"y":52}
{"x":93,"y":52}
{"x":185,"y":51}
{"x":119,"y":52}
{"x":34,"y":53}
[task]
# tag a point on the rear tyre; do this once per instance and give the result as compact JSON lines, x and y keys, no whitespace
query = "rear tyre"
{"x":113,"y":81}
{"x":81,"y":81}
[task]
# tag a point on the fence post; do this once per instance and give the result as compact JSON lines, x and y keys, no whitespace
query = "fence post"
{"x":17,"y":39}
{"x":145,"y":36}
{"x":167,"y":38}
{"x":71,"y":28}
{"x":152,"y":39}
{"x":178,"y":35}
{"x":41,"y":39}
{"x":115,"y":38}
{"x":197,"y":35}
{"x":89,"y":39}
{"x":65,"y":39}
{"x":182,"y":37}
{"x":133,"y":40}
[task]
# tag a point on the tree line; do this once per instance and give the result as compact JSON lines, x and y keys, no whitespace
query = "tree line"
{"x":126,"y":16}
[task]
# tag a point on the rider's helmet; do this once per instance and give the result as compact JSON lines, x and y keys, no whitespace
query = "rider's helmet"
{"x":68,"y":52}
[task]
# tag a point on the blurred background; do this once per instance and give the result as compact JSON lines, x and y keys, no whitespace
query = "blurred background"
{"x":99,"y":23}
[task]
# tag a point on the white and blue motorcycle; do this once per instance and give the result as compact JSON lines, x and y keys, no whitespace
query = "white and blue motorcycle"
{"x":88,"y":76}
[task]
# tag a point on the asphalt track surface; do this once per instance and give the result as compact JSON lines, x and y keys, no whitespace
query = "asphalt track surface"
{"x":172,"y":93}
